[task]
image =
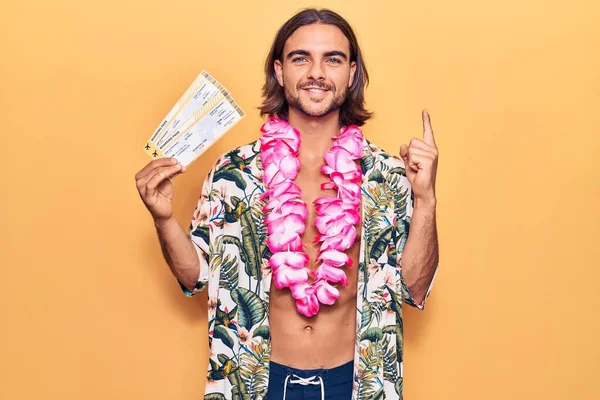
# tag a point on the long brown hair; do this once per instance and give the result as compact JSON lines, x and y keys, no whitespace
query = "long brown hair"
{"x":353,"y":111}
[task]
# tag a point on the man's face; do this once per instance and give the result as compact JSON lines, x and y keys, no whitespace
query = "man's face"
{"x":316,"y":71}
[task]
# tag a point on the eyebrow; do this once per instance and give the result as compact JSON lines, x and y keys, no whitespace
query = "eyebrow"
{"x":306,"y":53}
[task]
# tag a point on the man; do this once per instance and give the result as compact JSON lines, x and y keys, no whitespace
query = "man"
{"x":289,"y":316}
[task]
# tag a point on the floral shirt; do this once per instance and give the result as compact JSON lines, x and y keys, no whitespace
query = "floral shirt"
{"x":228,"y":232}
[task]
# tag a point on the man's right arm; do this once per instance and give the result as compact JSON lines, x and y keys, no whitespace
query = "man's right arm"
{"x":156,"y":191}
{"x":178,"y":251}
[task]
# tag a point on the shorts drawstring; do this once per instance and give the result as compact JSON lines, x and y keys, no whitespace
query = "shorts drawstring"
{"x":304,"y":382}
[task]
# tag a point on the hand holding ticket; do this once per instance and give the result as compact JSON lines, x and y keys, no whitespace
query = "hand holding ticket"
{"x":155,"y":187}
{"x":201,"y":116}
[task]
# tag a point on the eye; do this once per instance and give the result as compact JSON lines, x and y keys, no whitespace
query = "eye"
{"x":335,"y":60}
{"x":298,"y":59}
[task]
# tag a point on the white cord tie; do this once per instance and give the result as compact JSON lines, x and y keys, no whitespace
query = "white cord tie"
{"x":304,"y":382}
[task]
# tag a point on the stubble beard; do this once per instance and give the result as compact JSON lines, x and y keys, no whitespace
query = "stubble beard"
{"x":335,"y":103}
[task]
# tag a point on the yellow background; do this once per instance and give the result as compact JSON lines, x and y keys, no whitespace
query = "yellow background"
{"x":89,"y":308}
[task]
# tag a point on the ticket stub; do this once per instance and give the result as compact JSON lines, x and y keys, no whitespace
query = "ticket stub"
{"x":201,"y":116}
{"x":199,"y":92}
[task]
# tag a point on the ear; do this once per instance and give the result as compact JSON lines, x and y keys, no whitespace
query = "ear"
{"x":352,"y":72}
{"x":279,"y":71}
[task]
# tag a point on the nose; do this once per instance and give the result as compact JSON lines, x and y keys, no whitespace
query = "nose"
{"x":316,"y":72}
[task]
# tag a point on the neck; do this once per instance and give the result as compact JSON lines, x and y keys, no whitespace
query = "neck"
{"x":316,"y":134}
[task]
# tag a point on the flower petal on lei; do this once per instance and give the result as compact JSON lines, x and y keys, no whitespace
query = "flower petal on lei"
{"x":287,"y":276}
{"x":293,"y":259}
{"x":280,"y":241}
{"x":326,"y":293}
{"x":331,"y":274}
{"x":335,"y":258}
{"x":308,"y":306}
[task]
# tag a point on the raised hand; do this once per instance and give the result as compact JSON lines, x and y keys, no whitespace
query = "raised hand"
{"x":420,"y":160}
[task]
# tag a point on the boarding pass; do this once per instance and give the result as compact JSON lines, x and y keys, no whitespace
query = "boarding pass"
{"x":201,"y":116}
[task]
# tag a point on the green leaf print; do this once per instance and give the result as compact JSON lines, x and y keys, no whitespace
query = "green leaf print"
{"x":251,"y":244}
{"x":251,"y":309}
{"x":247,"y":252}
{"x":222,"y":358}
{"x":367,"y":314}
{"x":400,"y":203}
{"x":216,"y":252}
{"x":234,"y":201}
{"x":253,"y":370}
{"x":369,"y":364}
{"x":397,"y":170}
{"x":235,"y":158}
{"x":233,"y":213}
{"x":367,"y":161}
{"x":231,"y":175}
{"x":396,"y":301}
{"x":398,"y":387}
{"x":372,"y":334}
{"x":214,"y":396}
{"x":391,"y":329}
{"x":379,"y":242}
{"x":390,"y":367}
{"x":221,"y":332}
{"x":262,"y":331}
{"x":201,"y":231}
{"x":377,"y":226}
{"x":237,"y":161}
{"x":228,"y":278}
{"x":225,"y":318}
{"x":399,"y":327}
{"x":238,"y":392}
{"x":378,"y":304}
{"x":200,"y":285}
{"x":399,"y":341}
{"x":218,"y":372}
{"x":402,"y":226}
{"x":376,"y":176}
{"x":374,"y":204}
{"x":379,"y":395}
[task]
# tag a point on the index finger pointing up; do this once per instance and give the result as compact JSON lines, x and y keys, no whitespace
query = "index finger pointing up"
{"x":427,"y":131}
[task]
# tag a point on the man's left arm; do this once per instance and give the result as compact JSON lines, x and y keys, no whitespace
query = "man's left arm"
{"x":420,"y":255}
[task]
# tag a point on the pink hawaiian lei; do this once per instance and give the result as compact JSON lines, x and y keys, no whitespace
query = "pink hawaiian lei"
{"x":286,"y":221}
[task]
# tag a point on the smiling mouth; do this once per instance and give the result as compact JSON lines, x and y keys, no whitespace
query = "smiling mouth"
{"x":316,"y":91}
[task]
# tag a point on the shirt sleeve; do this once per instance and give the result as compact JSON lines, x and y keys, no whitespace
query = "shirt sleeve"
{"x":199,"y":232}
{"x":404,"y":207}
{"x":407,"y":297}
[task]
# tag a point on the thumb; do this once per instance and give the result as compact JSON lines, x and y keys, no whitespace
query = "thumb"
{"x":404,"y":152}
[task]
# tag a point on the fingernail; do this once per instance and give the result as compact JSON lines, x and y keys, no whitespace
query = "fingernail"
{"x":174,"y":160}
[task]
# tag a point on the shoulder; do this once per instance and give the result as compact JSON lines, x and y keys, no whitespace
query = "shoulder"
{"x":387,"y":165}
{"x":381,"y":156}
{"x":239,"y":166}
{"x":245,"y":154}
{"x":389,"y":171}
